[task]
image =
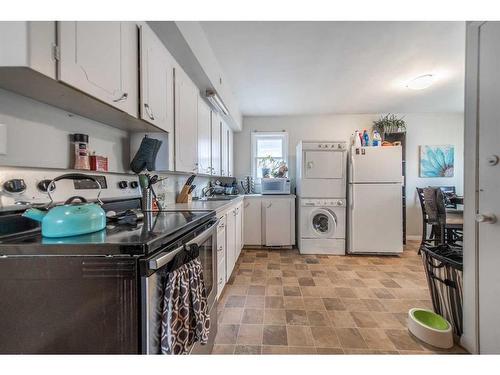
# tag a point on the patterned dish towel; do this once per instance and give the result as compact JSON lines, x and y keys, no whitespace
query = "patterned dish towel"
{"x":185,"y":318}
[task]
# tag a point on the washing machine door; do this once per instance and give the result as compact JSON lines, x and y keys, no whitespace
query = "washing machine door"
{"x":323,"y":223}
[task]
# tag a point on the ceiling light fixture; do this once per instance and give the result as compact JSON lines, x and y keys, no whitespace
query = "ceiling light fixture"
{"x":216,"y":102}
{"x":421,"y":82}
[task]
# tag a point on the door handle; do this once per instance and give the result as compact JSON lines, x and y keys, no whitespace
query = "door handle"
{"x":149,"y":111}
{"x":484,"y":218}
{"x":310,"y":164}
{"x":122,"y":98}
{"x":270,"y":204}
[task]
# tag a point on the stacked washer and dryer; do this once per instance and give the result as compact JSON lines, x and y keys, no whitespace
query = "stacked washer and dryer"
{"x":321,"y":190}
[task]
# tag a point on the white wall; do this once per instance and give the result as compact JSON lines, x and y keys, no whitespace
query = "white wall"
{"x":38,"y":135}
{"x":422,"y":129}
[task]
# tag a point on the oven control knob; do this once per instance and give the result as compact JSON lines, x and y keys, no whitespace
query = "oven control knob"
{"x":122,"y":184}
{"x":44,"y":185}
{"x":134,"y":184}
{"x":16,"y":185}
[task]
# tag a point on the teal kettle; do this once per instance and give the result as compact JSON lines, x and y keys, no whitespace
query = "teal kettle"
{"x":75,"y":217}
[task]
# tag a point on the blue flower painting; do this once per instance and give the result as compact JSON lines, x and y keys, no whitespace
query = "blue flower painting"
{"x":437,"y":161}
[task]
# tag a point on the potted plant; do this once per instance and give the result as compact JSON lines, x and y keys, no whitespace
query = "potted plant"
{"x":389,"y":123}
{"x":266,"y":165}
{"x":271,"y":167}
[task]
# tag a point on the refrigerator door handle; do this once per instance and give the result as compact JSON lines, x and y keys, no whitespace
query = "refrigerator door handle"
{"x":351,"y":198}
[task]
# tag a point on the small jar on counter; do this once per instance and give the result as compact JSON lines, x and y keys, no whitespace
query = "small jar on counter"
{"x":80,"y":144}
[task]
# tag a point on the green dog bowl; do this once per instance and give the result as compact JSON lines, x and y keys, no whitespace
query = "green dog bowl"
{"x":430,"y":327}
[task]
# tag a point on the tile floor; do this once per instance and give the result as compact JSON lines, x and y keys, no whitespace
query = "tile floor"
{"x":281,"y":302}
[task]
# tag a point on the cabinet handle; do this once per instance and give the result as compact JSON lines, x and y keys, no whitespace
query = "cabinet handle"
{"x":122,"y":98}
{"x":270,"y":204}
{"x":149,"y":111}
{"x":220,"y":248}
{"x":246,"y":205}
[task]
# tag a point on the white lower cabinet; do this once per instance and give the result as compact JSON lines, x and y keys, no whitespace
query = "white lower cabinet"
{"x":231,"y":252}
{"x":252,"y":222}
{"x":239,"y":229}
{"x":221,"y":254}
{"x":278,"y":221}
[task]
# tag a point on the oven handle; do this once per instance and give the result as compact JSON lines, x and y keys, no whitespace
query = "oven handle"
{"x":161,"y":260}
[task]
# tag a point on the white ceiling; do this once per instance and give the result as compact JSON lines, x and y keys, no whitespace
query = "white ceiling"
{"x":288,"y":68}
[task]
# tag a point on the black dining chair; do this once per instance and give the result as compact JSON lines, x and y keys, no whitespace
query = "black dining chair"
{"x":425,"y":219}
{"x":447,"y":226}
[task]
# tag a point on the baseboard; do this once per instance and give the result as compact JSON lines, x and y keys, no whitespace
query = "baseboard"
{"x":413,"y":237}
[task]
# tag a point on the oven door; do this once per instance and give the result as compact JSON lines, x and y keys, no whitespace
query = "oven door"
{"x":152,"y":290}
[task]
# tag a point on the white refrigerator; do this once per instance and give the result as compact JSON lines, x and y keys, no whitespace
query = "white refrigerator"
{"x":375,"y":200}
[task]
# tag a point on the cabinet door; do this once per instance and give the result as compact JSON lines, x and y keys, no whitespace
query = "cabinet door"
{"x":239,"y":229}
{"x":216,"y":144}
{"x":186,"y":123}
{"x":231,"y":153}
{"x":252,"y":222}
{"x":230,"y":242}
{"x":277,"y":221}
{"x":323,"y":164}
{"x":224,"y":150}
{"x":157,"y":81}
{"x":100,"y":59}
{"x":204,"y":141}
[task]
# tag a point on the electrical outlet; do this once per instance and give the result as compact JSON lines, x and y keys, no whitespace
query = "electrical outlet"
{"x":3,"y":139}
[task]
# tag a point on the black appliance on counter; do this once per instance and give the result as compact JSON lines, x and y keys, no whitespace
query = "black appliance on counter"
{"x":96,"y":293}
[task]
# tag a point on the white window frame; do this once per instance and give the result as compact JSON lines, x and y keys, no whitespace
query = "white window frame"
{"x":256,"y":135}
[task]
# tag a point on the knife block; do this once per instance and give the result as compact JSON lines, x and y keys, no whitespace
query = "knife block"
{"x":184,"y":196}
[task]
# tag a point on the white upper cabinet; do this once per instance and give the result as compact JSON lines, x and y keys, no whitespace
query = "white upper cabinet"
{"x":231,"y":153}
{"x":216,"y":144}
{"x":157,"y":81}
{"x":101,"y":59}
{"x":186,"y":123}
{"x":204,"y":145}
{"x":224,"y":149}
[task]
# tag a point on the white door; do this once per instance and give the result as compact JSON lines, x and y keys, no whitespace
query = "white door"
{"x":157,"y":81}
{"x":489,"y":186}
{"x":230,"y":242}
{"x":375,"y":220}
{"x":101,"y":59}
{"x":252,"y":223}
{"x":186,"y":123}
{"x":216,"y":144}
{"x":376,"y":164}
{"x":224,"y":149}
{"x":204,"y":145}
{"x":323,"y":164}
{"x":277,"y":222}
{"x":231,"y":153}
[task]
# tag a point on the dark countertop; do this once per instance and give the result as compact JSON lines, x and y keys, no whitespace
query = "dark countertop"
{"x":165,"y":228}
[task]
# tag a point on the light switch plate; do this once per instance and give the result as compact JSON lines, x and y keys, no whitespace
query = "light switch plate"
{"x":3,"y":139}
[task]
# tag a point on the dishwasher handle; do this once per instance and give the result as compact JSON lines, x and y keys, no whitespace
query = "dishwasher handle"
{"x":161,"y":260}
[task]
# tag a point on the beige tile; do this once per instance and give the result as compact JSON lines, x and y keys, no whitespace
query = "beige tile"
{"x":296,"y":317}
{"x":274,"y":302}
{"x":294,"y":303}
{"x":402,"y":339}
{"x":274,"y":290}
{"x":373,"y":304}
{"x":298,"y":350}
{"x":232,"y":315}
{"x":313,"y":303}
{"x":274,"y":316}
{"x":387,"y":320}
{"x":291,"y":291}
{"x":255,"y":301}
{"x":235,"y":301}
{"x":345,"y":292}
{"x":334,"y":304}
{"x":257,"y":290}
{"x":306,"y":281}
{"x":247,"y":349}
{"x":250,"y":334}
{"x":376,"y":338}
{"x":364,"y":319}
{"x":227,"y":334}
{"x":329,"y":351}
{"x":223,"y":349}
{"x":354,"y":304}
{"x":318,"y":318}
{"x":325,"y":337}
{"x":350,"y":338}
{"x":299,"y":336}
{"x":253,"y":316}
{"x":274,"y":335}
{"x":341,"y":319}
{"x":274,"y":349}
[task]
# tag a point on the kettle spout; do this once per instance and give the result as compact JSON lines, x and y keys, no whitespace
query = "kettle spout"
{"x":34,"y":214}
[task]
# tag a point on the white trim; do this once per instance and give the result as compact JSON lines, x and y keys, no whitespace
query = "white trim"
{"x":257,"y":134}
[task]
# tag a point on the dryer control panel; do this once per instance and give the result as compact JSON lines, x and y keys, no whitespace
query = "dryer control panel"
{"x":325,"y":146}
{"x":323,"y":202}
